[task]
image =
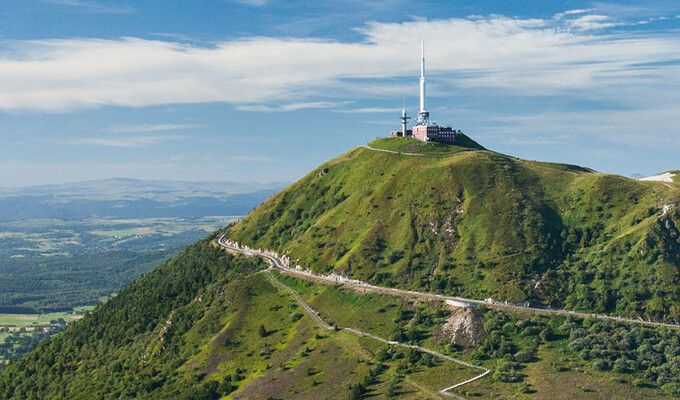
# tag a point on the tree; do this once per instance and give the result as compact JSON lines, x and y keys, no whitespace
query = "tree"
{"x":262,"y":331}
{"x":357,"y":392}
{"x":547,"y":334}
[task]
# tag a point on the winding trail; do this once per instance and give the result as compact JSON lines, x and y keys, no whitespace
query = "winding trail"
{"x":393,"y":151}
{"x":325,"y":325}
{"x":275,"y":263}
{"x":403,"y":153}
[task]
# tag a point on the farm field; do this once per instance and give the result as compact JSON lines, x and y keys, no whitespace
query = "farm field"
{"x":55,"y":265}
{"x":66,"y":248}
{"x":19,"y":333}
{"x":50,"y":237}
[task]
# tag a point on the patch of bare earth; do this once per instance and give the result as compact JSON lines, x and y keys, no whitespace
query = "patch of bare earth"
{"x":463,"y":327}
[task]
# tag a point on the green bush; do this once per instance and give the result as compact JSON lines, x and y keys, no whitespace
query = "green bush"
{"x":639,"y":382}
{"x":600,"y":365}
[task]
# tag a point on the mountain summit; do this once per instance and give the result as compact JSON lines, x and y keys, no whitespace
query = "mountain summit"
{"x":457,"y":219}
{"x":442,"y":218}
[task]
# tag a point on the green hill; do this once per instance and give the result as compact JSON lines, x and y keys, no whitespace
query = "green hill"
{"x":469,"y":222}
{"x":209,"y":325}
{"x":413,"y":146}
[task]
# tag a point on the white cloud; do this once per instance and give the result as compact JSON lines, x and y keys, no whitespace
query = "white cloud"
{"x":369,"y":110}
{"x":523,"y":56}
{"x":147,"y":128}
{"x":578,"y":11}
{"x":592,"y":22}
{"x":640,"y":128}
{"x":289,"y":107}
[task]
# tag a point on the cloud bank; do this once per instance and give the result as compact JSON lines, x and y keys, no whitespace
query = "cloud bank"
{"x":573,"y":51}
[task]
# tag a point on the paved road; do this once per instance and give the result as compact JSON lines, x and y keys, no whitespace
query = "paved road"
{"x":276,"y":263}
{"x":325,"y":325}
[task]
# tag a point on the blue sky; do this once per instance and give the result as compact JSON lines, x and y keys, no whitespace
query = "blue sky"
{"x":265,"y":90}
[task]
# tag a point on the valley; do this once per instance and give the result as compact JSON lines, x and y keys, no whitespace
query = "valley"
{"x":66,"y":248}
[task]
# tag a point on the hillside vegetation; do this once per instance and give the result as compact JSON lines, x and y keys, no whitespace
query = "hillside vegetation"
{"x":413,"y":146}
{"x":206,"y":326}
{"x":481,"y":224}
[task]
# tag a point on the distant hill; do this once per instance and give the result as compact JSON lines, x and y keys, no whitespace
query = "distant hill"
{"x":131,"y":198}
{"x":470,"y":222}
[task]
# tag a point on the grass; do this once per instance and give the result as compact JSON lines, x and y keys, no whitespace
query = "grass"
{"x":369,"y":312}
{"x":578,"y":382}
{"x":676,"y":175}
{"x":412,"y":145}
{"x":296,"y":358}
{"x":576,"y":379}
{"x":479,"y":224}
{"x":25,"y":320}
{"x":83,"y":309}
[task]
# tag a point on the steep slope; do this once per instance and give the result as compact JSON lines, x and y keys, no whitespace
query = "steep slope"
{"x":207,"y":326}
{"x":475,"y":223}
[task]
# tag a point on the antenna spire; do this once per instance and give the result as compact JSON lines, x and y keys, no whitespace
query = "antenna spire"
{"x":422,"y":77}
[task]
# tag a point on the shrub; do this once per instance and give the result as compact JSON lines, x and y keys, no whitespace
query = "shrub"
{"x":639,"y":383}
{"x":524,"y":357}
{"x":506,"y":371}
{"x":672,"y":388}
{"x":357,"y":392}
{"x":620,"y":365}
{"x":509,"y":328}
{"x":531,"y":331}
{"x":523,"y":389}
{"x":600,"y":365}
{"x":547,"y":334}
{"x":578,"y":344}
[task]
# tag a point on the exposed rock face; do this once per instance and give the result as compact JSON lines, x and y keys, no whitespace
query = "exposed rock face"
{"x":463,"y":327}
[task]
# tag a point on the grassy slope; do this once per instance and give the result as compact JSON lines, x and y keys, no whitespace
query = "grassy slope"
{"x":556,"y":372}
{"x":480,"y":224}
{"x":189,"y":330}
{"x":411,"y":145}
{"x":676,"y":176}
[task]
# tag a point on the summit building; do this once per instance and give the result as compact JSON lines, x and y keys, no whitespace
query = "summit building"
{"x":423,"y":129}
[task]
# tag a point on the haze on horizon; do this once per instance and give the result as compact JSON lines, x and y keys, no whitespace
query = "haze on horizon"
{"x":265,"y":90}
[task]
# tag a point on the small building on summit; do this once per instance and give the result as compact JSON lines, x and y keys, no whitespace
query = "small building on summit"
{"x":423,"y":129}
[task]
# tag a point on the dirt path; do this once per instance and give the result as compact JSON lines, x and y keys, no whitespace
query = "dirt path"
{"x":325,"y":325}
